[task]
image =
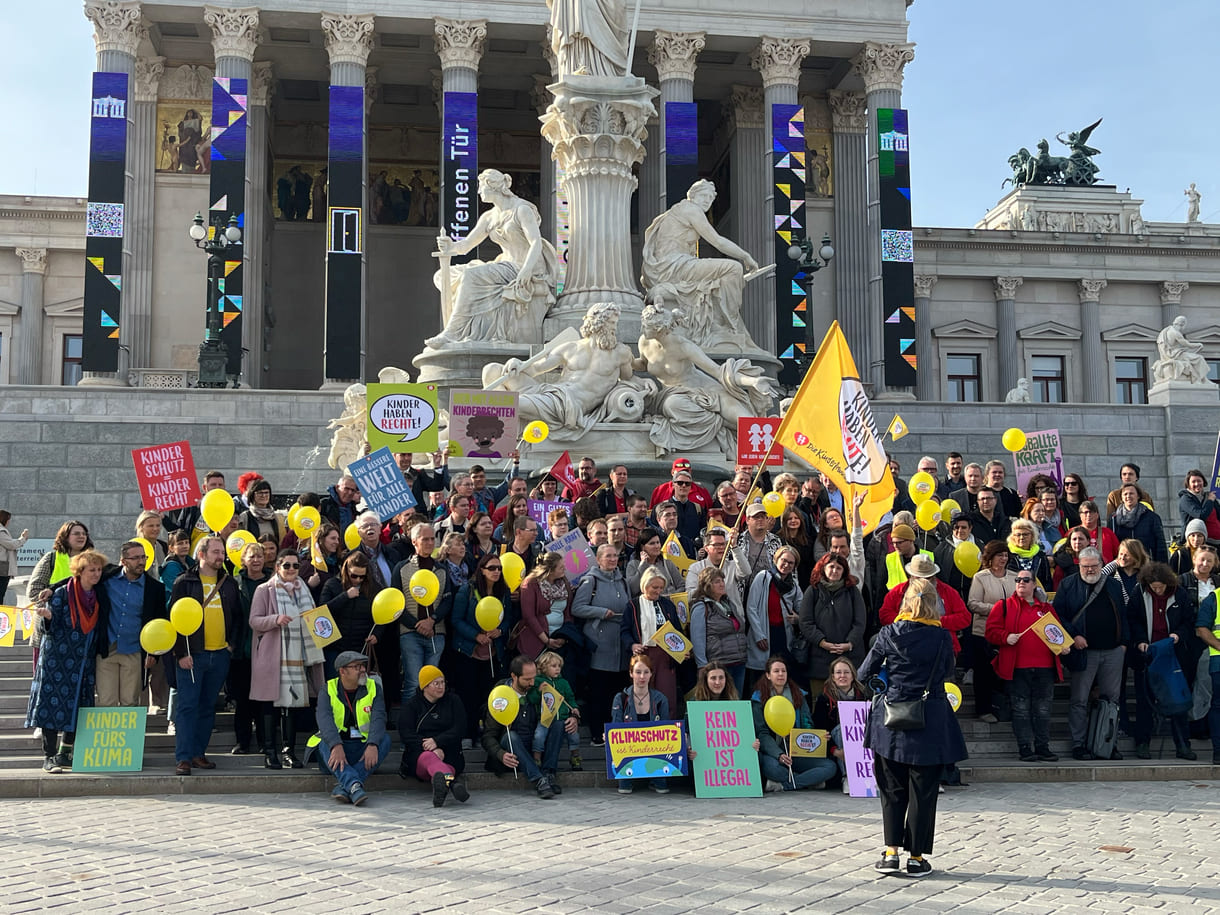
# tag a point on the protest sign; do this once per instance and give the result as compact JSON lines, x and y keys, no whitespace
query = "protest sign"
{"x":382,"y":485}
{"x":755,"y":435}
{"x":550,"y":702}
{"x":860,"y":779}
{"x":574,"y":548}
{"x":1214,"y":483}
{"x":1043,"y":453}
{"x":809,"y":742}
{"x":166,"y":476}
{"x":10,"y":619}
{"x":672,"y":550}
{"x":109,"y":740}
{"x":540,"y":508}
{"x":322,"y":626}
{"x":671,"y":641}
{"x":402,"y":417}
{"x":652,"y":749}
{"x":722,"y":736}
{"x":33,"y":550}
{"x":482,"y":424}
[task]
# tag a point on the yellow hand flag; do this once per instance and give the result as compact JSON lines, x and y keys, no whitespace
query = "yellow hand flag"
{"x":672,"y":642}
{"x":830,"y":425}
{"x":898,"y":428}
{"x":322,"y":626}
{"x":808,"y":742}
{"x":26,"y":621}
{"x":550,"y":701}
{"x":672,"y":550}
{"x":8,"y":625}
{"x":1052,"y":634}
{"x":681,"y":602}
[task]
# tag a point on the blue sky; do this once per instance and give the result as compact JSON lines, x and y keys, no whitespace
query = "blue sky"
{"x":988,"y":78}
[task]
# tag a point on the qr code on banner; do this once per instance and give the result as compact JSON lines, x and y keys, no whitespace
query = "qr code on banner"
{"x":898,"y":245}
{"x":104,"y":220}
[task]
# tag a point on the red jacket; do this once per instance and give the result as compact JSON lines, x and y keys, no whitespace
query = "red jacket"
{"x":665,"y":491}
{"x":1012,"y":616}
{"x":955,"y":618}
{"x":1105,"y":540}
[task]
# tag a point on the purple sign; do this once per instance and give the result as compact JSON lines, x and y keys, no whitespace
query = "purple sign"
{"x":459,"y":164}
{"x":858,"y":758}
{"x":539,"y":509}
{"x":1043,"y":453}
{"x":1214,"y":482}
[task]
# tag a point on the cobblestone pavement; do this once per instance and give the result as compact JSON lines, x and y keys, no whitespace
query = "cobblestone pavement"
{"x":1000,"y":848}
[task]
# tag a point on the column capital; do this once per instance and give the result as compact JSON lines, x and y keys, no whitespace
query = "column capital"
{"x":1171,"y":292}
{"x":148,"y":78}
{"x":33,"y":260}
{"x":1006,"y":287}
{"x":1090,"y":290}
{"x":745,"y":107}
{"x":674,"y":53}
{"x":117,"y":25}
{"x":923,"y":285}
{"x":234,"y":30}
{"x":881,"y":64}
{"x":548,"y":53}
{"x":460,"y":42}
{"x":540,"y":94}
{"x":848,"y":111}
{"x":348,"y":37}
{"x":779,"y":60}
{"x":262,"y":83}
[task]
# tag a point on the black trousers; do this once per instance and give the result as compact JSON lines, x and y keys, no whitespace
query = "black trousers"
{"x":908,"y":803}
{"x":472,"y":679}
{"x":247,"y":714}
{"x":603,"y":685}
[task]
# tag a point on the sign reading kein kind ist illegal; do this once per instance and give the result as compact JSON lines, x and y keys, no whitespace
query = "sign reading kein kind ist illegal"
{"x":722,"y":736}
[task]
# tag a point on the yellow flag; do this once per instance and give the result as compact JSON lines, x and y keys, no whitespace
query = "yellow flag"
{"x":25,"y":619}
{"x":755,"y":495}
{"x":681,"y":602}
{"x":1048,"y":629}
{"x":671,"y":641}
{"x":672,"y":550}
{"x":549,"y":705}
{"x":8,"y":626}
{"x":898,"y":428}
{"x":322,"y":626}
{"x":830,"y":425}
{"x":808,"y":742}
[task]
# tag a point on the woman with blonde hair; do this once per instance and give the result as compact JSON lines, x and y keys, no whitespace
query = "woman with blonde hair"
{"x":1025,"y":553}
{"x":643,"y":618}
{"x":148,"y":526}
{"x":546,"y":606}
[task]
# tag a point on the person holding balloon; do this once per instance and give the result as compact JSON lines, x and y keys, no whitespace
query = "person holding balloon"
{"x":511,"y":726}
{"x":320,"y":561}
{"x":480,"y":611}
{"x":779,"y":706}
{"x":349,"y":597}
{"x":427,"y":604}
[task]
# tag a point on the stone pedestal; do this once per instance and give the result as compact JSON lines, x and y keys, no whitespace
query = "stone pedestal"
{"x":460,"y":365}
{"x":1096,"y":210}
{"x":596,"y":126}
{"x":1182,"y":394}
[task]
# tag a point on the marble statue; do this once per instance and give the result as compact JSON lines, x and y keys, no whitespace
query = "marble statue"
{"x":596,"y":381}
{"x":589,"y":37}
{"x":1181,"y":360}
{"x":1137,"y":224}
{"x":1192,"y":207}
{"x":699,"y":402}
{"x":506,"y":299}
{"x":709,"y":290}
{"x":350,"y":440}
{"x":1019,"y":394}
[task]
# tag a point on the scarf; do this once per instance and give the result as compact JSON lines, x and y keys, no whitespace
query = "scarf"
{"x":782,"y":585}
{"x":650,"y":611}
{"x":455,"y":574}
{"x":1128,"y":517}
{"x":832,"y":586}
{"x":82,"y":605}
{"x":1024,"y":552}
{"x":297,"y":647}
{"x":905,"y":615}
{"x":263,"y":514}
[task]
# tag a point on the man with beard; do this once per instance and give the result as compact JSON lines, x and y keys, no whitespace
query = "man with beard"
{"x":351,"y":728}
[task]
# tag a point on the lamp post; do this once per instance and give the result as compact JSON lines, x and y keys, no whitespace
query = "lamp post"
{"x":213,"y":353}
{"x":802,"y":252}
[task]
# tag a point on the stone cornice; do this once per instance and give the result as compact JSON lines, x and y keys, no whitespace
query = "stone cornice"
{"x":779,"y":60}
{"x":460,"y":42}
{"x":881,"y":65}
{"x":234,"y":30}
{"x":674,"y":53}
{"x":348,"y":37}
{"x":117,"y":25}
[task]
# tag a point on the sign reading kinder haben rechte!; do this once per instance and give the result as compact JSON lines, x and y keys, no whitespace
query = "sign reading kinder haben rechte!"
{"x":722,"y":736}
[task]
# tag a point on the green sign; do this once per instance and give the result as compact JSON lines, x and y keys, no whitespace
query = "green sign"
{"x":722,"y":736}
{"x":402,"y":417}
{"x":109,"y":740}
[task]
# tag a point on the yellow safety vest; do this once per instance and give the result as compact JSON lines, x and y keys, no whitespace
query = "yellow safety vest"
{"x":364,"y":711}
{"x":1211,"y":650}
{"x":894,"y":564}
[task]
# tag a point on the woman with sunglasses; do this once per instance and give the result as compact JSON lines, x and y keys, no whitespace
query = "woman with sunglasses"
{"x":479,"y":655}
{"x":349,"y":596}
{"x":1075,"y":494}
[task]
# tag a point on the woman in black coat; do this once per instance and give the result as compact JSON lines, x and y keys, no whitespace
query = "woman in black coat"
{"x":1132,"y":519}
{"x":833,"y":617}
{"x":431,"y":725}
{"x":917,"y":655}
{"x":349,"y":597}
{"x":1159,"y":609}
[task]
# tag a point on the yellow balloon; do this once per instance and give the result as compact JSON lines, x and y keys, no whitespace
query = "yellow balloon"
{"x":489,"y":613}
{"x":773,"y":502}
{"x":236,"y":545}
{"x":1013,"y":439}
{"x":158,"y":636}
{"x":307,"y":521}
{"x":425,"y":586}
{"x":948,"y":509}
{"x":186,"y":614}
{"x":536,"y":432}
{"x":954,"y":694}
{"x":513,"y":568}
{"x":503,"y":704}
{"x":351,"y":536}
{"x":291,"y":518}
{"x":216,"y":507}
{"x":780,"y":715}
{"x":966,"y":557}
{"x":149,"y":554}
{"x":387,"y":605}
{"x":921,"y":487}
{"x":927,"y":515}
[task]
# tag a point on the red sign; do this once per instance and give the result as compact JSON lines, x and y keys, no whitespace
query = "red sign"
{"x":166,"y":474}
{"x":756,"y":441}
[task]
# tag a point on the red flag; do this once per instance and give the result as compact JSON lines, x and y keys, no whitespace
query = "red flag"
{"x":564,"y":472}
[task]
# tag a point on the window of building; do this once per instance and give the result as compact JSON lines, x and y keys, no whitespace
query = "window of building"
{"x":1046,"y":376}
{"x":1213,"y":371}
{"x":963,"y":382}
{"x":1130,"y":379}
{"x":73,"y":345}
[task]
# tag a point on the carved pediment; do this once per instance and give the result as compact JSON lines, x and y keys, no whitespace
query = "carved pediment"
{"x":1209,"y":334}
{"x":964,"y":328}
{"x":71,"y":308}
{"x":1050,"y":330}
{"x":1130,"y":333}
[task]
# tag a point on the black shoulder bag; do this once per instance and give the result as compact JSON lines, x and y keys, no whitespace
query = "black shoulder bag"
{"x":908,"y":714}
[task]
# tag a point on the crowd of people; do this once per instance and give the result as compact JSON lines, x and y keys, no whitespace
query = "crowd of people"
{"x":774,"y":602}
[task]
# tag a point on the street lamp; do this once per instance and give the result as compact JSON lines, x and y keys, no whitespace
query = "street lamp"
{"x":213,"y":354}
{"x":802,"y":252}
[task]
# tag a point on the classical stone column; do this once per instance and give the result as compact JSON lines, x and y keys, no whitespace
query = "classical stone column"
{"x":28,"y":352}
{"x":259,"y":221}
{"x":460,"y":44}
{"x":1092,"y":354}
{"x":349,"y":41}
{"x":651,"y":195}
{"x":118,"y":29}
{"x":1171,"y":300}
{"x":778,"y":60}
{"x":541,"y":97}
{"x":135,"y":329}
{"x":1006,"y":330}
{"x":927,"y":386}
{"x":674,"y":55}
{"x":751,"y":179}
{"x":849,"y":122}
{"x":881,"y":66}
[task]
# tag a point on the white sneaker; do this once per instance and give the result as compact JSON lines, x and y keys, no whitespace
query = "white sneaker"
{"x":846,"y":787}
{"x":171,"y":729}
{"x":772,"y":786}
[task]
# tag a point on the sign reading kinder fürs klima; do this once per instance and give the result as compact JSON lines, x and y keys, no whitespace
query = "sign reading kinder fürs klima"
{"x":109,"y":740}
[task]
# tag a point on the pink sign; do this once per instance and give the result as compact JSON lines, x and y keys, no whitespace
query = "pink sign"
{"x":858,"y":758}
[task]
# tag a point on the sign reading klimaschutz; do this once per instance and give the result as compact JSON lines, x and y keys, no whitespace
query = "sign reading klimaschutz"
{"x":460,"y":164}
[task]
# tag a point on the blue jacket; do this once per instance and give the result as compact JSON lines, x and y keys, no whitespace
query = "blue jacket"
{"x":465,"y":627}
{"x":914,"y":654}
{"x":629,"y":630}
{"x":623,"y":709}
